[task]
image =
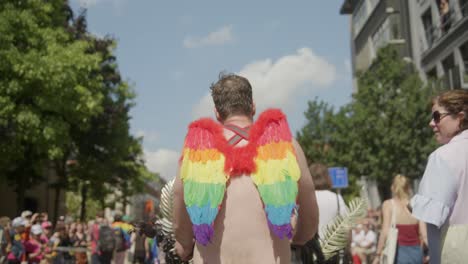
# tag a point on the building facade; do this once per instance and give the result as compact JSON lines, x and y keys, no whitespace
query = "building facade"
{"x":443,"y":37}
{"x":432,"y":34}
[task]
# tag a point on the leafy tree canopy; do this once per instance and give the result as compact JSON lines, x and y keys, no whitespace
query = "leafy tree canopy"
{"x":384,"y":130}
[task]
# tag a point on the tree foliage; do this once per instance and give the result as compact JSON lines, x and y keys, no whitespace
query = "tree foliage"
{"x":62,"y":102}
{"x":46,"y":87}
{"x":382,"y":132}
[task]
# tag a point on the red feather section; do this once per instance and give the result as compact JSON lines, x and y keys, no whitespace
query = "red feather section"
{"x":271,"y":126}
{"x":240,"y":160}
{"x":205,"y":133}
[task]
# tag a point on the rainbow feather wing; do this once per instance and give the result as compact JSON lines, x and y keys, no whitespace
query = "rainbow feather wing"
{"x":276,"y":176}
{"x":204,"y":179}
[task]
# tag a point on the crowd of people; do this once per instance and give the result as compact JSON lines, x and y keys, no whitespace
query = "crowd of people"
{"x":255,"y":176}
{"x":32,"y":238}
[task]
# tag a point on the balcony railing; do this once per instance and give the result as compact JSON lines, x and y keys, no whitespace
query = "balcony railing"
{"x":464,"y":9}
{"x":448,"y":20}
{"x":465,"y":73}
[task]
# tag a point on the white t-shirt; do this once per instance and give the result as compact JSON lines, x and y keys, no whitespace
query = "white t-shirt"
{"x":370,"y":239}
{"x":328,"y":207}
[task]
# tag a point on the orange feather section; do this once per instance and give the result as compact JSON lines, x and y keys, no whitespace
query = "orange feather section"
{"x":275,"y":150}
{"x":202,"y":155}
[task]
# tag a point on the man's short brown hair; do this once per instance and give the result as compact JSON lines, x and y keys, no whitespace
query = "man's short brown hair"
{"x":232,"y":95}
{"x":320,"y":176}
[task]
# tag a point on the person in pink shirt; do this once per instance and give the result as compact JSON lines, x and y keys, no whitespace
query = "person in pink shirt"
{"x":443,"y":193}
{"x":46,"y":232}
{"x":34,"y":247}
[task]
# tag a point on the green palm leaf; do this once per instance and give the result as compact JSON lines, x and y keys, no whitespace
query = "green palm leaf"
{"x":336,"y":233}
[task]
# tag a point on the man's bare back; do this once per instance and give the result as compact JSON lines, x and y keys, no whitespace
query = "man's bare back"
{"x":242,"y":230}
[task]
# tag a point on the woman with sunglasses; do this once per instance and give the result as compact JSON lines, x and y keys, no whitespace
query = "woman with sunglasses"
{"x":443,"y":193}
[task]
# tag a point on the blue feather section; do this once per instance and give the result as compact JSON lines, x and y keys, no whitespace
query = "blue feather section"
{"x":279,"y":215}
{"x":202,"y":215}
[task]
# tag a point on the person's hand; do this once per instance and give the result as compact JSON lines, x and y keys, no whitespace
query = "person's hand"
{"x":426,"y":260}
{"x":34,"y":217}
{"x":376,"y":260}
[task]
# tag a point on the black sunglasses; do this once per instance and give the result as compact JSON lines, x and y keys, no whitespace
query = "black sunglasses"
{"x":437,"y":116}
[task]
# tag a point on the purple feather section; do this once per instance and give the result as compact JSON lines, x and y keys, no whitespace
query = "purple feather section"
{"x":281,"y":231}
{"x":203,"y":233}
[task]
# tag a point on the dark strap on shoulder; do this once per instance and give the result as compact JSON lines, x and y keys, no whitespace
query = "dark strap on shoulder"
{"x":338,"y":204}
{"x":239,"y":134}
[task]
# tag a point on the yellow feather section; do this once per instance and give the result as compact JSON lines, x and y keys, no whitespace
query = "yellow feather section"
{"x":273,"y":171}
{"x":211,"y":171}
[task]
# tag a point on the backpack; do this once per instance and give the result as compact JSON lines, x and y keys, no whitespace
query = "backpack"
{"x":106,"y":240}
{"x":122,"y":240}
{"x":311,"y":253}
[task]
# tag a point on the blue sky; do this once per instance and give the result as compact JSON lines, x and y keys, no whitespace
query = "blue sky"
{"x":171,"y":51}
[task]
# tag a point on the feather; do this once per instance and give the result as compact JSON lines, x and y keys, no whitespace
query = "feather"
{"x":277,"y":171}
{"x":202,"y":171}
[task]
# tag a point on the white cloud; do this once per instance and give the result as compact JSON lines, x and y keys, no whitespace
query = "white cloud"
{"x":218,"y":37}
{"x":117,"y":4}
{"x":148,"y":136}
{"x":162,"y":161}
{"x":348,"y":66}
{"x":87,"y":3}
{"x":278,"y":83}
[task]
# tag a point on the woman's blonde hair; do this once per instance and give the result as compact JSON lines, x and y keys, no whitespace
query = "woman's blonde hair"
{"x":401,"y":187}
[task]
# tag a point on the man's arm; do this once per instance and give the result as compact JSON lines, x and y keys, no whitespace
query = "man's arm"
{"x":307,"y":220}
{"x":182,"y":224}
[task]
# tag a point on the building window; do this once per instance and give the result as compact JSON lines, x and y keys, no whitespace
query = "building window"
{"x":464,"y":7}
{"x":464,"y":54}
{"x":432,"y":79}
{"x":428,"y":28}
{"x":373,"y":4}
{"x":451,"y":73}
{"x":432,"y":74}
{"x":448,"y":63}
{"x":389,"y":30}
{"x":383,"y":35}
{"x":360,"y":17}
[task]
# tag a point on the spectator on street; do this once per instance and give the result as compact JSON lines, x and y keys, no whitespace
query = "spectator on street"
{"x":98,"y":255}
{"x":79,"y":240}
{"x":15,"y":247}
{"x":330,"y":204}
{"x":443,"y":193}
{"x":365,"y":241}
{"x":411,"y":232}
{"x":122,"y":237}
{"x":34,"y":247}
{"x":140,"y":251}
{"x":4,"y":229}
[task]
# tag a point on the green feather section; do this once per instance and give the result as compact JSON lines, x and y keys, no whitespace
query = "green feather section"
{"x":279,"y":193}
{"x":201,"y":194}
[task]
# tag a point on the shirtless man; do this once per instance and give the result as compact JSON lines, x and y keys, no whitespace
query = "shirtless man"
{"x":252,"y":222}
